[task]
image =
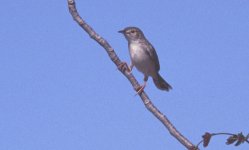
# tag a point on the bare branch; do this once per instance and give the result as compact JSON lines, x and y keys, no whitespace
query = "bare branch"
{"x":147,"y":102}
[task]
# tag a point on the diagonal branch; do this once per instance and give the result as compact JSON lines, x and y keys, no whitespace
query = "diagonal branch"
{"x":147,"y":102}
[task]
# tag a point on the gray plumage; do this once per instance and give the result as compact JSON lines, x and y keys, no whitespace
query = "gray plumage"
{"x":144,"y":57}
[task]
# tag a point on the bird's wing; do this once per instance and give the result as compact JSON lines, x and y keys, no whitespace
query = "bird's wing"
{"x":152,"y":53}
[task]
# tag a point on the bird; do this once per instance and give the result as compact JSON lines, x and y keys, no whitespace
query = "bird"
{"x":144,"y":57}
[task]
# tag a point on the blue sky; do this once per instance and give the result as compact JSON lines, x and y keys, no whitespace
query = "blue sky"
{"x":60,"y":91}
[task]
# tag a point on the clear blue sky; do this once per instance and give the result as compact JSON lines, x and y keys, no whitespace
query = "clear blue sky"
{"x":60,"y":91}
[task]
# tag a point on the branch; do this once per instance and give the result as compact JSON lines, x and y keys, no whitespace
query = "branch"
{"x":147,"y":102}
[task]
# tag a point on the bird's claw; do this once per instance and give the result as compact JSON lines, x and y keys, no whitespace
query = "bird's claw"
{"x":140,"y":89}
{"x":123,"y":67}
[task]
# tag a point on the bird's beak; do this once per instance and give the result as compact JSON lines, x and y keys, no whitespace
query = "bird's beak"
{"x":121,"y":31}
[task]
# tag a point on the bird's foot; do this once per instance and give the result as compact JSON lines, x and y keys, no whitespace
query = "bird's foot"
{"x":123,"y":67}
{"x":140,"y":89}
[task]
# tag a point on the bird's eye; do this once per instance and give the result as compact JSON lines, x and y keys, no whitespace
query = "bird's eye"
{"x":132,"y":31}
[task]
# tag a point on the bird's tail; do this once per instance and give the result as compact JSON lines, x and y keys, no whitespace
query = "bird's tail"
{"x":161,"y":83}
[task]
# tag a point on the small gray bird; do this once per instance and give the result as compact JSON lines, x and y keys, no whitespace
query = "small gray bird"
{"x":144,"y":58}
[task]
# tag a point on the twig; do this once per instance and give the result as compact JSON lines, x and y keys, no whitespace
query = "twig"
{"x":148,"y":104}
{"x":238,"y":139}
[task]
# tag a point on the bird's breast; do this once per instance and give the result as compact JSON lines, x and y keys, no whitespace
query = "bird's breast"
{"x":141,"y":59}
{"x":136,"y":52}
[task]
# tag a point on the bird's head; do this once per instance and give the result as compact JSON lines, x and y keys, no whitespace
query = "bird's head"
{"x":132,"y":33}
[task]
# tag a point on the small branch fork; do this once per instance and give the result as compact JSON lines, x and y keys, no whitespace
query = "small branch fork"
{"x":147,"y":102}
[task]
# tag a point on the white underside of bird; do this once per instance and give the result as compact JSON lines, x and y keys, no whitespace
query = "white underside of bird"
{"x":142,"y":60}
